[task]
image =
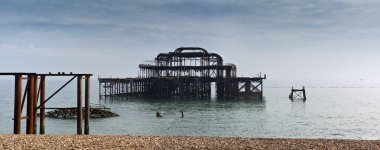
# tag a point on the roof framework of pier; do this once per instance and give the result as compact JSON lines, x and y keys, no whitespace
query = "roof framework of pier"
{"x":187,"y":61}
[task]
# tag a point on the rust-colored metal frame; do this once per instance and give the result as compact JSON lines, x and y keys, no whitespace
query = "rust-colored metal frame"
{"x":33,"y":92}
{"x":298,"y":94}
{"x":188,"y":72}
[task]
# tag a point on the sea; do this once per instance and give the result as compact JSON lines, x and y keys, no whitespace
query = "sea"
{"x":349,"y":111}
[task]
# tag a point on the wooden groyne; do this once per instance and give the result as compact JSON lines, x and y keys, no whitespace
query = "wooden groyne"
{"x":188,"y":72}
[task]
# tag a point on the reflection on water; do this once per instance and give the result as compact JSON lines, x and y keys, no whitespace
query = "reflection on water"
{"x":298,"y":105}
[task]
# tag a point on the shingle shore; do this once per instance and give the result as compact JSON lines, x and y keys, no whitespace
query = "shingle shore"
{"x":174,"y":142}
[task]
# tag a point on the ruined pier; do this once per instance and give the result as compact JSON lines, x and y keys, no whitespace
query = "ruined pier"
{"x":188,"y":72}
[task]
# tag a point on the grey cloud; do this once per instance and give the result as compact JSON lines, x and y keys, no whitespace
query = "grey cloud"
{"x":135,"y":30}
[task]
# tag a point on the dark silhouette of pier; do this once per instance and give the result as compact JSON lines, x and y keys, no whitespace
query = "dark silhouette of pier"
{"x":297,"y":94}
{"x":188,"y":72}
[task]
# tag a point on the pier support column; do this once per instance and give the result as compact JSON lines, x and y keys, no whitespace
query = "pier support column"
{"x":291,"y":93}
{"x":30,"y":105}
{"x":35,"y":102}
{"x":247,"y":87}
{"x":87,"y":106}
{"x":261,"y":86}
{"x":79,"y":104}
{"x":100,"y":91}
{"x":17,"y":105}
{"x":42,"y":105}
{"x":304,"y":93}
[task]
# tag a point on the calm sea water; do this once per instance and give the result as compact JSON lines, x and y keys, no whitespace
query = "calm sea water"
{"x":330,"y":112}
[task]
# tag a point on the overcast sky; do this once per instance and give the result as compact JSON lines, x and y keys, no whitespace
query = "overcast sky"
{"x":292,"y":40}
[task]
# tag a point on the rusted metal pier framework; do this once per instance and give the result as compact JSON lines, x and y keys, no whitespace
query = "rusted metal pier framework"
{"x":35,"y":91}
{"x":188,"y":72}
{"x":298,"y":94}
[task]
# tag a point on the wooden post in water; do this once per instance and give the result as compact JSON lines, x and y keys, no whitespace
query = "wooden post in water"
{"x":35,"y":102}
{"x":17,"y":105}
{"x":79,"y":104}
{"x":100,"y":92}
{"x":30,"y":105}
{"x":291,"y":94}
{"x":87,"y":106}
{"x":304,"y":93}
{"x":105,"y":88}
{"x":112,"y":90}
{"x":247,"y":88}
{"x":261,"y":86}
{"x":42,"y":105}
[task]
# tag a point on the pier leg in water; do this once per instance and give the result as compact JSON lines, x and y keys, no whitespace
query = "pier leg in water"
{"x":79,"y":104}
{"x":182,"y":114}
{"x":30,"y":105}
{"x":42,"y":105}
{"x":87,"y":106}
{"x":17,"y":105}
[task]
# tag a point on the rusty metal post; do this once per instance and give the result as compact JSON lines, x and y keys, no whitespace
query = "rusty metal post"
{"x":291,"y":94}
{"x":17,"y":105}
{"x":35,"y":102}
{"x":87,"y":106}
{"x":197,"y":85}
{"x":79,"y":104}
{"x":304,"y":93}
{"x":42,"y":105}
{"x":111,"y":90}
{"x":100,"y":92}
{"x":247,"y":87}
{"x":30,"y":105}
{"x":261,"y":86}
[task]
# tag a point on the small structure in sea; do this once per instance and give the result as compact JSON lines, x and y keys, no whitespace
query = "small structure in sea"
{"x":297,"y":94}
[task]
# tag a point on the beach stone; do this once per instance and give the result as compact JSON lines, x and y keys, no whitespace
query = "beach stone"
{"x":175,"y":142}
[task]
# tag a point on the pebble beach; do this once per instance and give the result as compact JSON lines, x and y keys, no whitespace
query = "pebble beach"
{"x":174,"y":142}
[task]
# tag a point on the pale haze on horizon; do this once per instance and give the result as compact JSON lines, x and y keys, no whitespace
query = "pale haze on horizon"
{"x":300,"y":41}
